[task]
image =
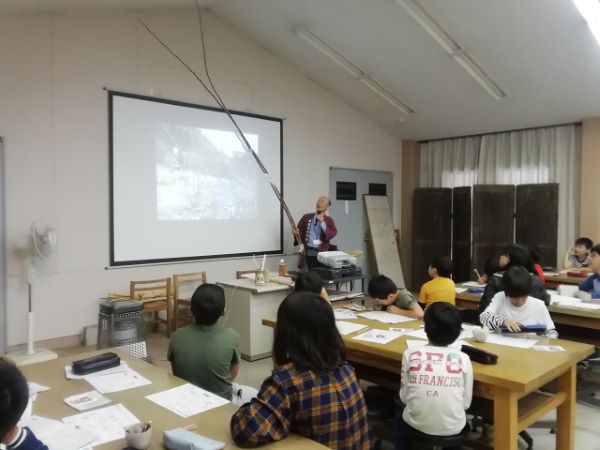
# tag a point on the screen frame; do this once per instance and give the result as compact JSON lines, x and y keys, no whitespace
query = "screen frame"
{"x":112,"y":262}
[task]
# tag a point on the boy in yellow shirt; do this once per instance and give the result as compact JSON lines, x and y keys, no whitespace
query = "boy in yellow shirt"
{"x":441,"y":287}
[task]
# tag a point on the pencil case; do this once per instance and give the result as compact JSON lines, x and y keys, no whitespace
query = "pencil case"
{"x":479,"y":355}
{"x":182,"y":439}
{"x":95,"y":363}
{"x":475,"y":290}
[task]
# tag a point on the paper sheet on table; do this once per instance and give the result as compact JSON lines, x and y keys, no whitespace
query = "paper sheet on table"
{"x":87,"y":400}
{"x":418,"y":333}
{"x":344,"y":314}
{"x":378,"y":336}
{"x":35,"y":388}
{"x":509,"y":341}
{"x":71,"y":376}
{"x":473,"y":284}
{"x":117,"y":382}
{"x":56,"y":435}
{"x":555,"y":298}
{"x":460,"y":290}
{"x":348,"y":327}
{"x":344,"y":296}
{"x":580,"y":305}
{"x":187,"y":400}
{"x":107,"y":424}
{"x":385,"y":317}
{"x":549,"y":348}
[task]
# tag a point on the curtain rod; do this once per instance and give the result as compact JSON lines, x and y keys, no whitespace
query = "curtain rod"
{"x":499,"y":132}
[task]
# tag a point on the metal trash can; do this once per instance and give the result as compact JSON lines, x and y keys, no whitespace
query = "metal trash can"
{"x":121,"y":324}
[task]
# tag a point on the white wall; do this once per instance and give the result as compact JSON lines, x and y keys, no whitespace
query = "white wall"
{"x":53,"y":115}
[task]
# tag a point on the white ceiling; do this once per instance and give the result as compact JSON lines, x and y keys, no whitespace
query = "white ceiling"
{"x":539,"y":51}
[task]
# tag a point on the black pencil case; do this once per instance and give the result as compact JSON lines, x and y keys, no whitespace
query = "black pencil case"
{"x":479,"y":355}
{"x":95,"y":363}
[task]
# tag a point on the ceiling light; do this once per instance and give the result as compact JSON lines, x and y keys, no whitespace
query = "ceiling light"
{"x":452,"y":48}
{"x":590,"y":10}
{"x":354,"y":70}
{"x":386,"y":95}
{"x":336,"y":57}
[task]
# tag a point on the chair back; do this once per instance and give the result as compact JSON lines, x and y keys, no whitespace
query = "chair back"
{"x":184,"y":284}
{"x":150,"y":290}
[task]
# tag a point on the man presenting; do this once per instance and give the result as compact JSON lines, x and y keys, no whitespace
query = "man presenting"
{"x":315,"y":230}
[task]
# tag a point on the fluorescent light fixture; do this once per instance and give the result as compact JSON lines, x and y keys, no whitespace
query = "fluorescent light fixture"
{"x":590,"y":10}
{"x":332,"y":54}
{"x":386,"y":95}
{"x":452,"y":48}
{"x":354,"y":70}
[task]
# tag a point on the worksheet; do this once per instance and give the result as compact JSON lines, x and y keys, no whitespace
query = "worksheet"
{"x":187,"y":400}
{"x":344,"y":314}
{"x":348,"y":327}
{"x":378,"y":336}
{"x":510,"y":341}
{"x":107,"y":424}
{"x":385,"y":317}
{"x":87,"y":400}
{"x":117,"y":382}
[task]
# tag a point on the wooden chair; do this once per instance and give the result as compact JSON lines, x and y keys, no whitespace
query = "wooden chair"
{"x":156,"y":296}
{"x":182,"y":302}
{"x":239,"y":274}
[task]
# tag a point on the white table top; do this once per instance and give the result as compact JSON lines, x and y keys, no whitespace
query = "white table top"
{"x":249,"y":285}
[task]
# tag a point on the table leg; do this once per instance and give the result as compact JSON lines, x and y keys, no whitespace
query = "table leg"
{"x":565,"y":413}
{"x":506,"y":413}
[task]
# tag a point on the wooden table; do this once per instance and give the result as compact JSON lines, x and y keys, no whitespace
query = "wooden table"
{"x":552,"y":281}
{"x":511,"y":384}
{"x":213,"y":424}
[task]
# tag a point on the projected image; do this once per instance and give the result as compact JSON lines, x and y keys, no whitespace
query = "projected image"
{"x":204,"y":174}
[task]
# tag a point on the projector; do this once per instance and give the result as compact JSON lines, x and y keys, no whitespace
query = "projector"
{"x":336,"y":260}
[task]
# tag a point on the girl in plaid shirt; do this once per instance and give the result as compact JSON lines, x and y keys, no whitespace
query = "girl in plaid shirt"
{"x":312,"y":391}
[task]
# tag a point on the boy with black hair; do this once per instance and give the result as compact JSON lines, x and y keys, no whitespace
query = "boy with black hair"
{"x":514,"y":307}
{"x":207,"y":354}
{"x":579,"y":256}
{"x":14,"y":395}
{"x":437,"y":380}
{"x":590,"y":288}
{"x":311,"y":281}
{"x":440,"y":288}
{"x":394,"y":300}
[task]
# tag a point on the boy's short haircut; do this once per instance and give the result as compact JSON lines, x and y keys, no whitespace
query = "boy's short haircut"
{"x":586,"y":242}
{"x":442,"y":323}
{"x":519,"y":255}
{"x":595,"y":249}
{"x":492,"y":265}
{"x":14,"y":395}
{"x":517,"y":282}
{"x":381,"y":286}
{"x":443,"y":265}
{"x":208,"y":304}
{"x":309,"y":281}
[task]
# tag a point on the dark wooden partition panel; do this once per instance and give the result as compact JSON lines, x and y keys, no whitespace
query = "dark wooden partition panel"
{"x":432,"y":210}
{"x":537,"y":218}
{"x":461,"y":233}
{"x":493,"y":221}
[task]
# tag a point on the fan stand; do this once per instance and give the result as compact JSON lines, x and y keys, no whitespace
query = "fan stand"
{"x":31,"y":354}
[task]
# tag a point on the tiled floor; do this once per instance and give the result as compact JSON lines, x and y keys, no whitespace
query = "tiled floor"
{"x":587,"y":422}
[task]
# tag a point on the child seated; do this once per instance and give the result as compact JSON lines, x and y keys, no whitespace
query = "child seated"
{"x":514,"y":306}
{"x":206,"y":353}
{"x":392,"y":299}
{"x":437,"y":381}
{"x":312,"y":282}
{"x":492,"y":265}
{"x":591,"y":286}
{"x":440,"y":288}
{"x":578,"y":256}
{"x":312,"y":391}
{"x":513,"y":255}
{"x":14,"y":395}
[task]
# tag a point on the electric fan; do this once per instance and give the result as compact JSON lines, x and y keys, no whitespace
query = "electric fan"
{"x":44,"y":243}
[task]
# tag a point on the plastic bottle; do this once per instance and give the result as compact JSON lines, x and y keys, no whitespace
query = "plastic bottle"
{"x":282,"y":270}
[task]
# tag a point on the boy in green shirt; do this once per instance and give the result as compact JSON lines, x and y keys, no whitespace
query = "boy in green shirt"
{"x":206,"y":353}
{"x":392,"y":299}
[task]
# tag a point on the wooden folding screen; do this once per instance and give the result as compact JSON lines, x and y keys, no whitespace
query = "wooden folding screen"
{"x":432,"y":209}
{"x":493,"y":221}
{"x":461,"y":233}
{"x":537,"y":218}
